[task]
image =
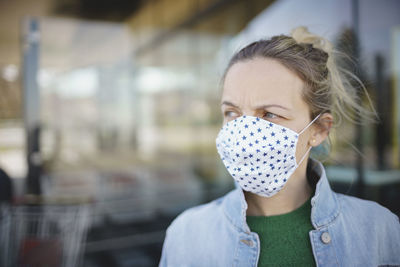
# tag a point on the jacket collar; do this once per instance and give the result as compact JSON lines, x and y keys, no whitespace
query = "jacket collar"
{"x":324,"y":203}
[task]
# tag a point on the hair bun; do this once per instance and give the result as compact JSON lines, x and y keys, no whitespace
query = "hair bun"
{"x":302,"y":35}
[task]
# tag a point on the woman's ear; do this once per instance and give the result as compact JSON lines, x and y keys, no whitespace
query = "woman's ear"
{"x":321,"y":129}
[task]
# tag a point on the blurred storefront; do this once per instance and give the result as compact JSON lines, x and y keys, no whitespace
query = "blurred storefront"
{"x":116,"y":105}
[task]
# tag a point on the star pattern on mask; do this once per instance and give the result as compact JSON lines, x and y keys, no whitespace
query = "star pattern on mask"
{"x":260,"y":155}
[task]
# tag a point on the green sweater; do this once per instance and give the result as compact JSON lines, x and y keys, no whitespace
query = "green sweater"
{"x":284,"y":238}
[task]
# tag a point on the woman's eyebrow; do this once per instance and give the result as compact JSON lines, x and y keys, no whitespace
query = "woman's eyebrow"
{"x":229,"y":104}
{"x":271,"y":105}
{"x":258,"y":107}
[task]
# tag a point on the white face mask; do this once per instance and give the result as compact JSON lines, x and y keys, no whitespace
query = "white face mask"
{"x":259,"y":155}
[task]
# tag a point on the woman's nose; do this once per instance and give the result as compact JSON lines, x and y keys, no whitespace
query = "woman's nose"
{"x":250,"y":112}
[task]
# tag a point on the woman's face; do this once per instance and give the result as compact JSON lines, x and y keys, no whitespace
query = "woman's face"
{"x":265,"y":88}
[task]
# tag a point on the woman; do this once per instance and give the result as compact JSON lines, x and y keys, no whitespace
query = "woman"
{"x":280,"y":98}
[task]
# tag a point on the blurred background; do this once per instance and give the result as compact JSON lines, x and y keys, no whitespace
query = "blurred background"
{"x":109,"y":112}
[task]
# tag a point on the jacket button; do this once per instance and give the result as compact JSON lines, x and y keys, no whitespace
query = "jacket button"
{"x":247,"y":242}
{"x":325,"y":237}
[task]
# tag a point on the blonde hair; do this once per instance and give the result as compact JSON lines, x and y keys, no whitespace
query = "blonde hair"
{"x":328,"y":87}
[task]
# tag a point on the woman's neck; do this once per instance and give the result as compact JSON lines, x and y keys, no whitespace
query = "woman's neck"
{"x":295,"y":193}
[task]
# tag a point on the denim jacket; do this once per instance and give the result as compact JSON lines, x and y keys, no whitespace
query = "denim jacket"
{"x":347,"y":232}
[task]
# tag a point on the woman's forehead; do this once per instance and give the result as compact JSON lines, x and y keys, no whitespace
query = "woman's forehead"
{"x":260,"y":82}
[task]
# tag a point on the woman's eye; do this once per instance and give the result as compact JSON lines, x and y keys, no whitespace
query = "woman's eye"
{"x":270,"y":115}
{"x":229,"y":114}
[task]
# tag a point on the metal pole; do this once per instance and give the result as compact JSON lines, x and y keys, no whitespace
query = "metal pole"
{"x":380,"y":139}
{"x":30,"y":66}
{"x":359,"y":130}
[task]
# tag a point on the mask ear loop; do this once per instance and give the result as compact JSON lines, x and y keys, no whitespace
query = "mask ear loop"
{"x":304,"y":156}
{"x":308,"y":150}
{"x":305,"y":128}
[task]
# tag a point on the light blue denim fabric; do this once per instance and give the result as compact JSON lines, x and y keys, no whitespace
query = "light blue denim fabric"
{"x":347,"y":232}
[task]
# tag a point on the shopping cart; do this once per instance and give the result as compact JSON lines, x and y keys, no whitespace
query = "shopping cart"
{"x":43,"y":235}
